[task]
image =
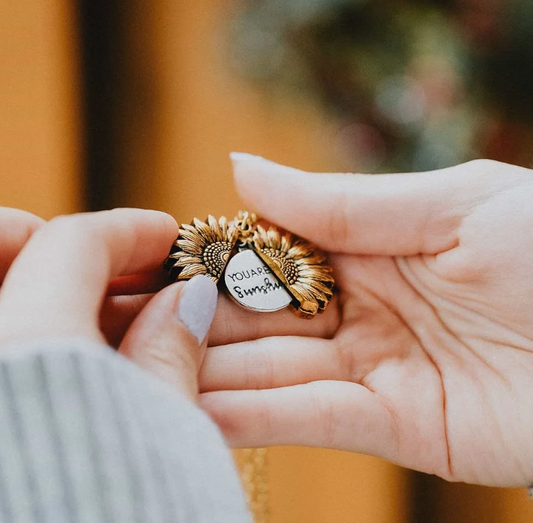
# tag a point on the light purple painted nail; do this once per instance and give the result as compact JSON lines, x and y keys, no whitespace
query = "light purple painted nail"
{"x":197,"y":306}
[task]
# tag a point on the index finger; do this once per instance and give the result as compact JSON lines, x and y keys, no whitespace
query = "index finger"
{"x":57,"y":284}
{"x":16,"y":228}
{"x":385,"y":214}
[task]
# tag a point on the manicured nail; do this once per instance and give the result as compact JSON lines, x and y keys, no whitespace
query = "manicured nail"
{"x":244,"y":162}
{"x":245,"y":157}
{"x":197,"y":306}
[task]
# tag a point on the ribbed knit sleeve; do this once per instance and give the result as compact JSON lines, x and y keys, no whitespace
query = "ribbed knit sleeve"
{"x":85,"y":436}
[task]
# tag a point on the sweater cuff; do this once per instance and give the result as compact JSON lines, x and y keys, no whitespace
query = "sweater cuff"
{"x":85,"y":435}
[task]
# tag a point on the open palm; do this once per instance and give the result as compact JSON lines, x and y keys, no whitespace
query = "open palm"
{"x":427,"y":360}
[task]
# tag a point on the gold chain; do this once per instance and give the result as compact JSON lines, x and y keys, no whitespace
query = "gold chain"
{"x":245,"y":222}
{"x":253,"y":465}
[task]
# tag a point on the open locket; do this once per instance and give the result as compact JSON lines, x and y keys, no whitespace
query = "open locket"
{"x":263,"y":270}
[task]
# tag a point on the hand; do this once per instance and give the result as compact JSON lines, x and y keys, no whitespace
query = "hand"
{"x":429,"y":361}
{"x":57,"y":285}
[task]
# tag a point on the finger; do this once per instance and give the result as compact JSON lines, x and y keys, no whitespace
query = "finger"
{"x":169,"y":336}
{"x":16,"y":228}
{"x":118,"y":313}
{"x":399,"y":214}
{"x":269,"y":363}
{"x":333,"y":414}
{"x":58,"y":282}
{"x":234,"y":323}
{"x":141,"y":283}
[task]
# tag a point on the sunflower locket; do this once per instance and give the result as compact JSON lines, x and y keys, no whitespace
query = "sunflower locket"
{"x":264,"y":270}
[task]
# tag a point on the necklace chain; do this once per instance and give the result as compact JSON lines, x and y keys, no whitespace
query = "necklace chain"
{"x":253,"y":465}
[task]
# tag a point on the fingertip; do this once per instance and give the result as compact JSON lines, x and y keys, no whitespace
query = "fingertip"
{"x":259,"y":180}
{"x":168,"y":219}
{"x":240,"y":157}
{"x":163,"y":219}
{"x":197,"y":306}
{"x":161,"y":344}
{"x":245,"y":164}
{"x":32,"y":220}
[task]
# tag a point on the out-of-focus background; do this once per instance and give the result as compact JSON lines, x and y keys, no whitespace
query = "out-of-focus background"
{"x":106,"y":103}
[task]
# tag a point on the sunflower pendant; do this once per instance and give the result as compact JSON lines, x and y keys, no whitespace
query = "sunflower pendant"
{"x":263,"y":270}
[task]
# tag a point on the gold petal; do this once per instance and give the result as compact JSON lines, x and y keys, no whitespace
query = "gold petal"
{"x":310,"y":260}
{"x":314,"y":271}
{"x":192,"y":270}
{"x":204,"y":230}
{"x":273,"y":238}
{"x":189,"y":247}
{"x":223,"y":224}
{"x":301,"y":249}
{"x":315,"y":284}
{"x":286,"y":241}
{"x":307,"y":300}
{"x":177,"y":255}
{"x":316,"y":266}
{"x":259,"y":237}
{"x":188,"y":227}
{"x":231,"y":234}
{"x":186,"y":260}
{"x":192,"y":236}
{"x":215,"y":227}
{"x":304,"y":291}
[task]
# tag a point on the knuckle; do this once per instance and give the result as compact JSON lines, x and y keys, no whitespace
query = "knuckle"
{"x":325,"y":414}
{"x":91,"y":226}
{"x":30,"y":220}
{"x":71,"y":228}
{"x":258,"y":369}
{"x":21,"y":225}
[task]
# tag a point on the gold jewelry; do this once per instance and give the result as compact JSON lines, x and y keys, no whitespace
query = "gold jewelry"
{"x":264,"y":270}
{"x":253,"y":467}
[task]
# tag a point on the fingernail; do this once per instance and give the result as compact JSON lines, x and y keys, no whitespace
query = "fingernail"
{"x":242,"y":162}
{"x":246,"y":157}
{"x":197,"y":306}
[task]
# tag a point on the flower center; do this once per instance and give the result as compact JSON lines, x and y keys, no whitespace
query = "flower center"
{"x":215,"y":257}
{"x":287,"y":265}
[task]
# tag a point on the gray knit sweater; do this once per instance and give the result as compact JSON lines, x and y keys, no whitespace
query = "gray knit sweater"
{"x":85,"y":436}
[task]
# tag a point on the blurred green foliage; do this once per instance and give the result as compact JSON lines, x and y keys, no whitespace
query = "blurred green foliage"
{"x":413,"y":84}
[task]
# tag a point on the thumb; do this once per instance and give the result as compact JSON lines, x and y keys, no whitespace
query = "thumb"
{"x":169,"y":337}
{"x":395,"y":214}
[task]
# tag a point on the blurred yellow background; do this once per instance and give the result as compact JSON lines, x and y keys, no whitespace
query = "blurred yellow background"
{"x":171,"y":153}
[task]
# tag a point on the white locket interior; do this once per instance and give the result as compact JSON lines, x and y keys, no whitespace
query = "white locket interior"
{"x":251,"y":283}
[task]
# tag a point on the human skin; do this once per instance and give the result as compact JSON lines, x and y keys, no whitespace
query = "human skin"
{"x":426,"y":356}
{"x":55,"y":278}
